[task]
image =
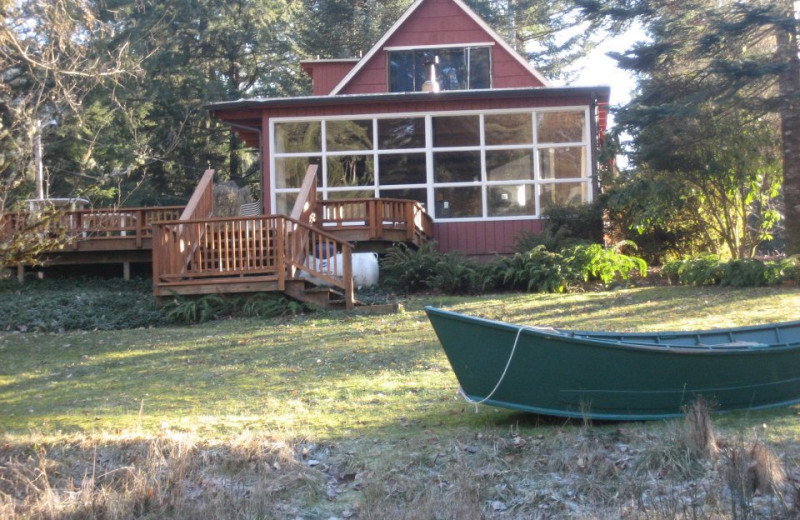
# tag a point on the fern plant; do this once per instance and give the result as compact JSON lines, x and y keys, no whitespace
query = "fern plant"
{"x":455,"y":275}
{"x":537,"y":270}
{"x":701,"y":270}
{"x":269,"y":306}
{"x":710,"y":270}
{"x":595,"y":262}
{"x":410,"y":270}
{"x":195,"y":310}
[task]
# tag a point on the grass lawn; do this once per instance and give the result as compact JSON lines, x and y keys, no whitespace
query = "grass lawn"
{"x":352,"y":416}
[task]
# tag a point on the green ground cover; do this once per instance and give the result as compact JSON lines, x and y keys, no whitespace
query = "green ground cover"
{"x":322,"y":374}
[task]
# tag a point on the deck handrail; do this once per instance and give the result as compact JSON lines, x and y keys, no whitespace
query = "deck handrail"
{"x":201,"y":203}
{"x":265,"y":245}
{"x":200,"y":206}
{"x":132,"y":223}
{"x":305,"y":210}
{"x":305,"y":206}
{"x":376,"y":215}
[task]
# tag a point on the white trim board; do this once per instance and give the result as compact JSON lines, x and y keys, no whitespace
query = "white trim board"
{"x":444,"y":46}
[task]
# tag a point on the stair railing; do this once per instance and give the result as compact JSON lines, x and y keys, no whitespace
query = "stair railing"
{"x":199,"y":207}
{"x":261,"y":246}
{"x":322,"y":258}
{"x":306,"y":212}
{"x":174,"y":245}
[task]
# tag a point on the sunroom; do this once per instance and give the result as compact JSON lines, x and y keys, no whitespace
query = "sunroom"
{"x":484,"y":164}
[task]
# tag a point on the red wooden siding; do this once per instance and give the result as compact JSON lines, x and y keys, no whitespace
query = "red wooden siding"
{"x":326,"y":74}
{"x":482,"y":238}
{"x":440,"y":22}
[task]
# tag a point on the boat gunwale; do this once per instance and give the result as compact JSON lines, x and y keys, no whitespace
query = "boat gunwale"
{"x":600,"y":416}
{"x":566,"y":335}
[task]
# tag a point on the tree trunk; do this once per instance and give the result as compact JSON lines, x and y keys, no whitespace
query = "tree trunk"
{"x":790,"y":127}
{"x":233,"y":141}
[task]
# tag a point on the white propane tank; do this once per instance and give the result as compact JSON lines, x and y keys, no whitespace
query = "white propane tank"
{"x":365,"y":269}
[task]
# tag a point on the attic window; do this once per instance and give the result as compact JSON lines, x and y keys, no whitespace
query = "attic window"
{"x":460,"y":68}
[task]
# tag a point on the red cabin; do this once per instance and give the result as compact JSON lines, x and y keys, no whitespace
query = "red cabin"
{"x":441,"y":111}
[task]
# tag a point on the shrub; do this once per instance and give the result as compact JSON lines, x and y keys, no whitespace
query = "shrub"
{"x":199,"y":309}
{"x":455,"y":275}
{"x":269,"y":306}
{"x":701,"y":270}
{"x":565,"y":226}
{"x":710,"y":270}
{"x":537,"y":270}
{"x":190,"y":309}
{"x":595,"y":262}
{"x":410,"y":270}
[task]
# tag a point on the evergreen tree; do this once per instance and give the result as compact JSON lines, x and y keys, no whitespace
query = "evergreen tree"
{"x":551,"y":34}
{"x":156,"y":137}
{"x":710,"y":57}
{"x":346,"y":28}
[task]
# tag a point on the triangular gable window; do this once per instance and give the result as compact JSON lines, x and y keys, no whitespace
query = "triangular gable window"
{"x":457,"y":68}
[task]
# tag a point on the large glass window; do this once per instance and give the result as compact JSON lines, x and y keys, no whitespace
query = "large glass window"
{"x":290,"y":171}
{"x":457,"y":166}
{"x":481,"y":165}
{"x":454,"y":131}
{"x":297,"y":137}
{"x":350,"y":170}
{"x":349,"y":135}
{"x":457,"y":68}
{"x":509,"y":165}
{"x":511,"y":200}
{"x":458,"y":202}
{"x":508,"y":129}
{"x":560,"y":127}
{"x":406,"y":168}
{"x":406,"y":132}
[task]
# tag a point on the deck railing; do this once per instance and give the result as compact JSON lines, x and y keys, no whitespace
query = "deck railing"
{"x":273,"y":246}
{"x":131,"y":224}
{"x":199,"y":207}
{"x":376,"y":216}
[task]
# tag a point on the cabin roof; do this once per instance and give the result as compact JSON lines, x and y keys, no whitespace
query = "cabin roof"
{"x":399,"y":23}
{"x":600,"y":92}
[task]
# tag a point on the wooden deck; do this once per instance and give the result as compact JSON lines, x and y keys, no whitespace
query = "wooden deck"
{"x":376,"y":222}
{"x":306,"y":255}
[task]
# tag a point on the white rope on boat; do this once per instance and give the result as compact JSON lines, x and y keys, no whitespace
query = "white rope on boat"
{"x":499,"y":381}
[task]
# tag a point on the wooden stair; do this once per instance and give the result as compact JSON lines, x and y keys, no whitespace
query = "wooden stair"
{"x":201,"y":255}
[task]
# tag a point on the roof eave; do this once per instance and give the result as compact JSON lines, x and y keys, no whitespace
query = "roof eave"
{"x":601,"y":92}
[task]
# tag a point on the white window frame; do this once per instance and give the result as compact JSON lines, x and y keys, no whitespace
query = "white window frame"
{"x":537,"y":181}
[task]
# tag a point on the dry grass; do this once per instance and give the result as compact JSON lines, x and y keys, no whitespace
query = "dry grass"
{"x":564,"y":471}
{"x":152,"y":478}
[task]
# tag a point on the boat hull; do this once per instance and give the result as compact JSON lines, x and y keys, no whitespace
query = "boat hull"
{"x":556,"y":374}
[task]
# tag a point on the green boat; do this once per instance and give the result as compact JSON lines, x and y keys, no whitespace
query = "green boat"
{"x":615,"y":376}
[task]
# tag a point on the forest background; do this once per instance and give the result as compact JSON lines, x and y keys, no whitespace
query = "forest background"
{"x":115,"y":90}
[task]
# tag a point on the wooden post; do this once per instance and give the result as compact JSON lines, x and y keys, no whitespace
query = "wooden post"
{"x":126,"y":271}
{"x":78,"y":228}
{"x":140,"y":216}
{"x":278,"y":244}
{"x":372,"y":217}
{"x":21,"y":273}
{"x":411,"y":224}
{"x":347,"y":272}
{"x":156,"y":253}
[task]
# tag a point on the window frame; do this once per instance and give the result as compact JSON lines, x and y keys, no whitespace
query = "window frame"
{"x":427,"y":48}
{"x":537,"y":181}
